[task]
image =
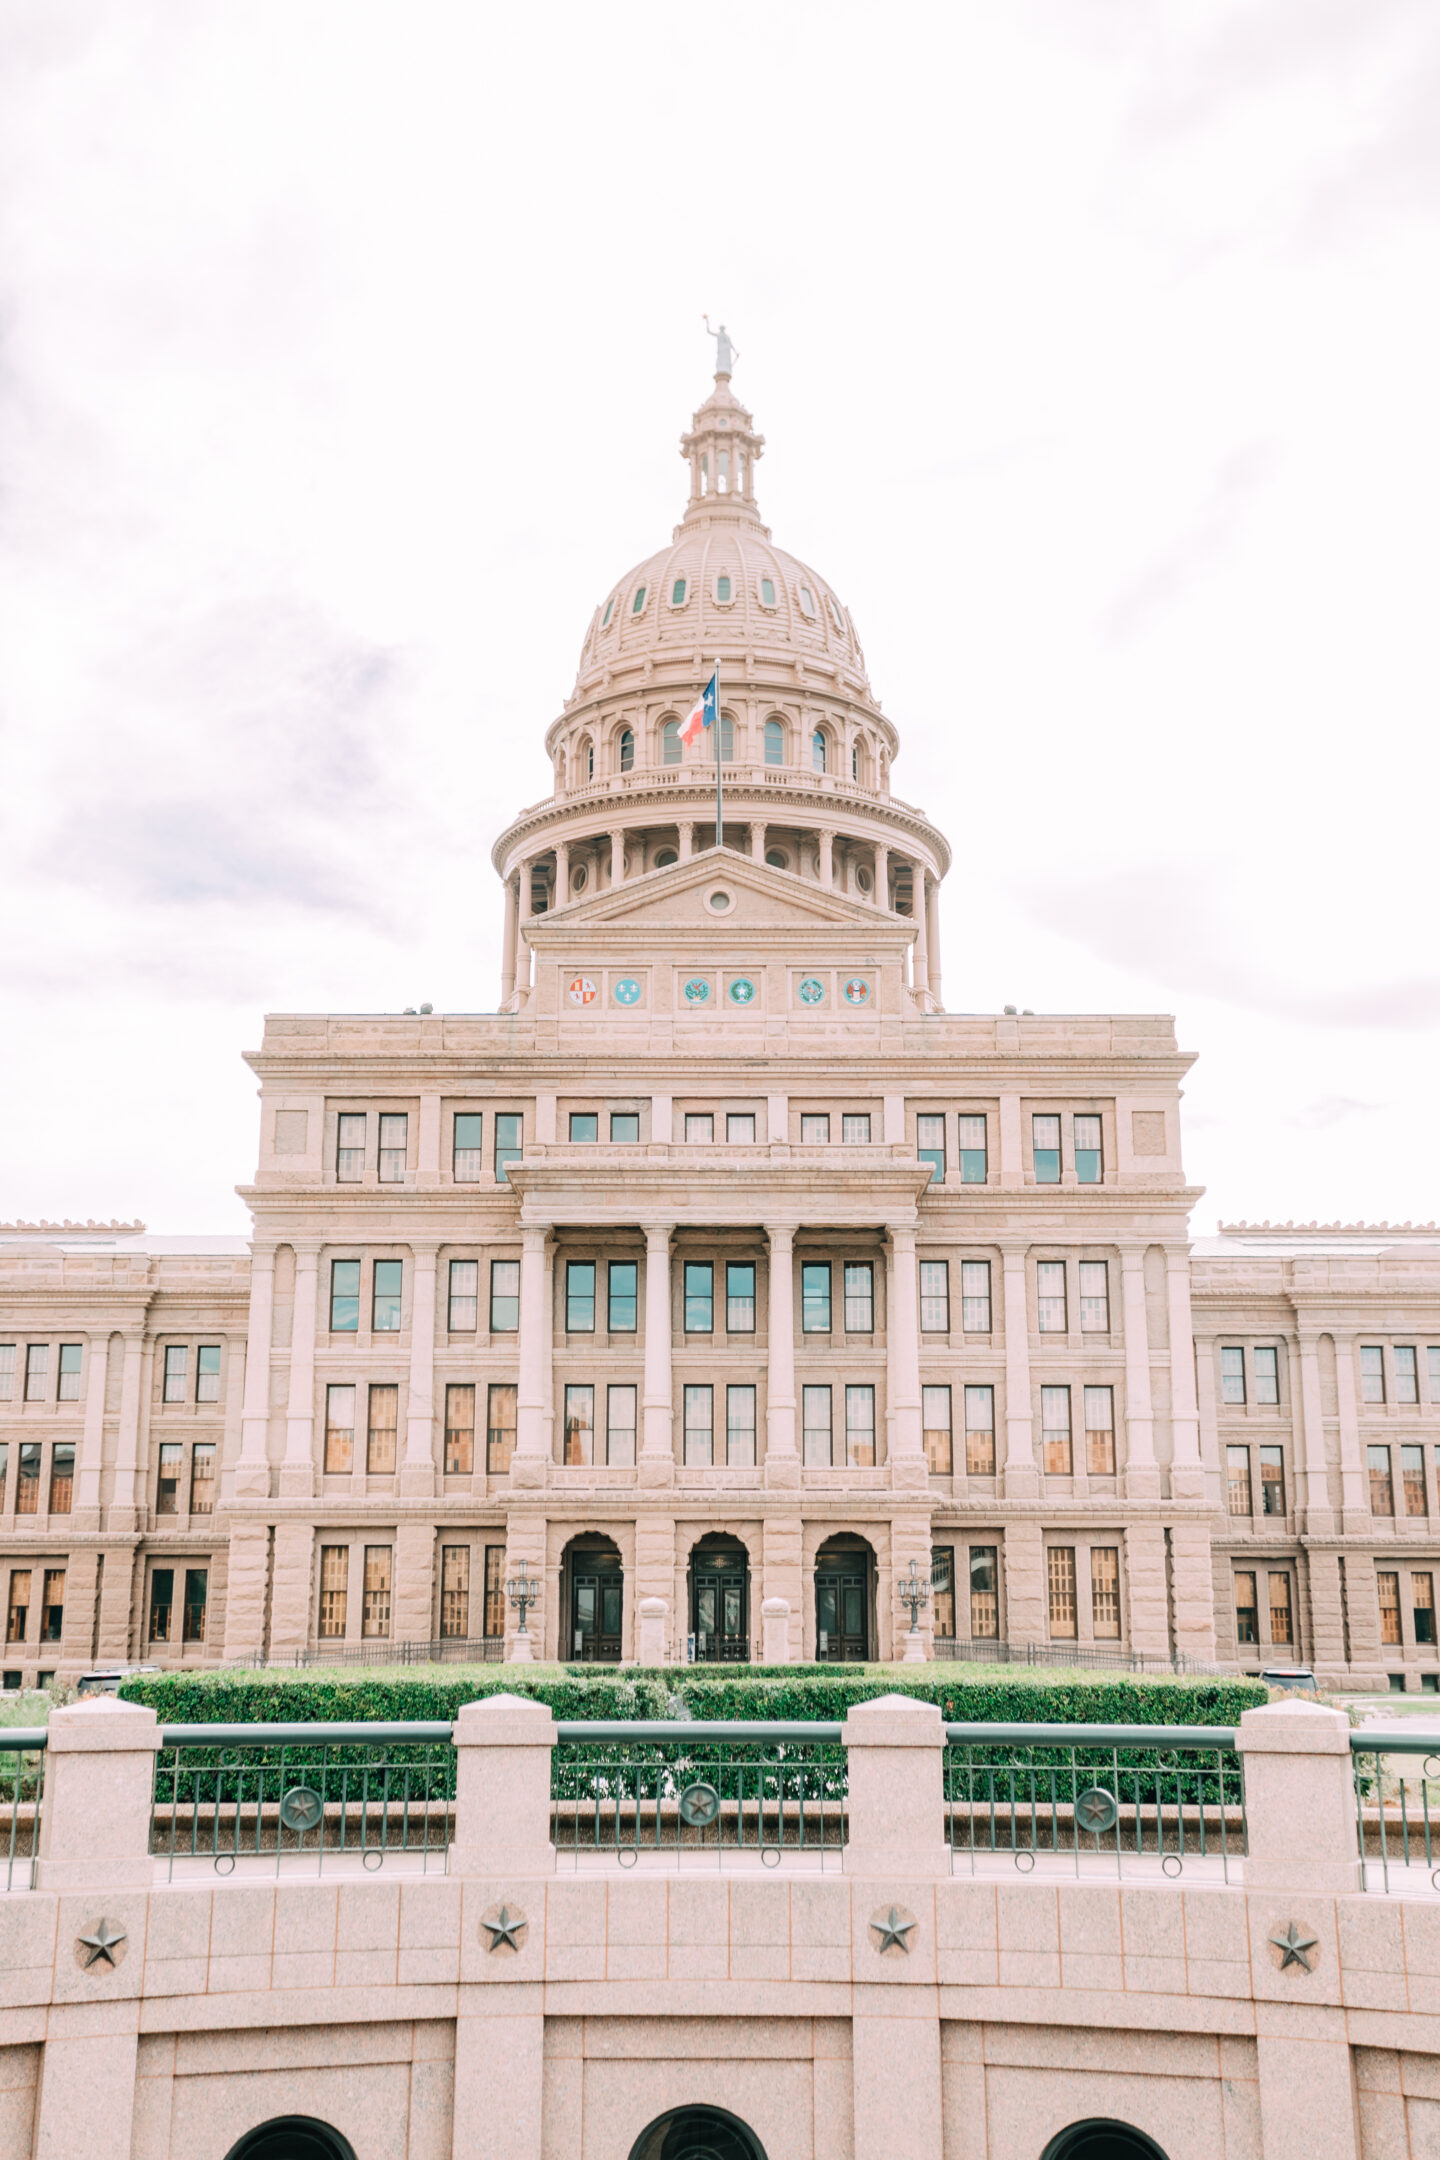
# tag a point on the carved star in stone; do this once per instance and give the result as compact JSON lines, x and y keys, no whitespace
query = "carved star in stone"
{"x":504,"y":1928}
{"x":1293,"y":1946}
{"x":102,"y":1944}
{"x":892,"y":1931}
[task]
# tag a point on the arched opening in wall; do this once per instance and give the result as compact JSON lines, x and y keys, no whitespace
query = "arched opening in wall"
{"x":1098,"y":2139}
{"x":819,"y":751}
{"x":720,"y":1600}
{"x":666,"y":856}
{"x":670,"y":748}
{"x":698,"y":2133}
{"x":844,"y":1601}
{"x":706,"y":747}
{"x":585,"y":759}
{"x":592,"y":1597}
{"x":774,"y":742}
{"x":627,"y":750}
{"x":777,"y":858}
{"x":292,"y":2137}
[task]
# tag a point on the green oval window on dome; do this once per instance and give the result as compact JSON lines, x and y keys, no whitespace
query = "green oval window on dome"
{"x":639,"y":601}
{"x":767,"y":592}
{"x":806,"y":602}
{"x":722,"y":588}
{"x":677,"y":593}
{"x":609,"y":611}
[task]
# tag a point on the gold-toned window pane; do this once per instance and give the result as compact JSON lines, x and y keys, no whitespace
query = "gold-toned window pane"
{"x":202,"y":1478}
{"x":1382,"y":1492}
{"x":454,"y":1591}
{"x":334,"y":1590}
{"x":1247,"y":1611}
{"x":1060,"y":1580}
{"x":980,"y":1431}
{"x":375,"y":1617}
{"x":936,"y":1416}
{"x":339,"y":1430}
{"x":381,"y":1438}
{"x":494,"y":1591}
{"x":1055,"y":1431}
{"x":459,"y":1430}
{"x":1105,"y":1591}
{"x":1282,"y":1626}
{"x":984,"y":1592}
{"x":1412,"y":1478}
{"x":942,"y":1590}
{"x":1237,"y":1480}
{"x":1387,"y":1588}
{"x":167,"y":1486}
{"x":501,"y":1416}
{"x":18,"y":1615}
{"x":1100,"y":1431}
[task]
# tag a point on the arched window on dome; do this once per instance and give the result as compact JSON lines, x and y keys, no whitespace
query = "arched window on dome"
{"x":677,"y":593}
{"x":807,"y":602}
{"x":638,"y":602}
{"x":727,"y":739}
{"x":609,"y":611}
{"x":670,"y":751}
{"x":722,"y":588}
{"x":627,"y":750}
{"x":585,"y":758}
{"x":559,"y":771}
{"x":704,"y":475}
{"x":767,"y":592}
{"x":857,"y":760}
{"x":774,"y":742}
{"x":722,"y":472}
{"x":818,"y":749}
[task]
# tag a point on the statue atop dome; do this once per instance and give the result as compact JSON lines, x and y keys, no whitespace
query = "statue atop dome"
{"x":725,"y":353}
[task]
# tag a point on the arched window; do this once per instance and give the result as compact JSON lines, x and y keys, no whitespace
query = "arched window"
{"x":639,"y":601}
{"x":1097,"y":2139}
{"x":817,"y":750}
{"x":774,"y":742}
{"x":677,"y":593}
{"x":670,"y":743}
{"x":666,"y":856}
{"x":807,"y":603}
{"x":855,"y":759}
{"x":698,"y":2133}
{"x":722,"y":589}
{"x":609,"y":611}
{"x":627,"y":750}
{"x":767,"y":592}
{"x":727,"y":738}
{"x":587,"y":752}
{"x":292,"y":2137}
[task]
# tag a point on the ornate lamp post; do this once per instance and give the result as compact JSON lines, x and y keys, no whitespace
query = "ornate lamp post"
{"x":523,"y":1591}
{"x":914,"y":1591}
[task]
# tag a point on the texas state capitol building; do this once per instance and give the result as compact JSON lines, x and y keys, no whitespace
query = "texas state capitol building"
{"x":722,"y":1274}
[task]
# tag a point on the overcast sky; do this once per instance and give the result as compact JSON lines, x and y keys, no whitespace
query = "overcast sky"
{"x":344,"y":350}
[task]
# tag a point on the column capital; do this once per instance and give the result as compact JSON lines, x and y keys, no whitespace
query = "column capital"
{"x":305,"y":1248}
{"x":535,"y":1236}
{"x":781,"y":1235}
{"x":902,"y":1236}
{"x":657,"y":1233}
{"x":425,"y":1248}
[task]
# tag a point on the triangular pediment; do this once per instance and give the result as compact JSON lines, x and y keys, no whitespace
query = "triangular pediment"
{"x":681,"y":897}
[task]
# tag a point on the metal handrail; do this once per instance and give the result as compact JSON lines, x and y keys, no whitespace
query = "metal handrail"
{"x":22,"y":1739}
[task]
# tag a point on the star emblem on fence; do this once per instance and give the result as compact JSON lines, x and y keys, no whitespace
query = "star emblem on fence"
{"x":892,"y":1930}
{"x":1293,"y":1947}
{"x":504,"y":1929}
{"x":101,"y":1945}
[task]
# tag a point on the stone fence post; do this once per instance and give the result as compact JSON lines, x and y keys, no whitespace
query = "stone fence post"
{"x":895,"y":1747}
{"x":1300,"y":1819}
{"x":503,"y":1748}
{"x":99,"y":1781}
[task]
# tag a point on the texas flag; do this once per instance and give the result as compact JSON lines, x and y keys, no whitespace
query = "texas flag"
{"x":702,"y":713}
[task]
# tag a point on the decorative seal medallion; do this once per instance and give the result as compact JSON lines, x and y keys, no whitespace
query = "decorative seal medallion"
{"x":581,"y":991}
{"x":742,"y":991}
{"x":627,"y":991}
{"x":699,"y":1806}
{"x":892,"y":1929}
{"x":1096,"y":1811}
{"x":697,"y":990}
{"x":507,"y":1928}
{"x":812,"y":991}
{"x":104,"y":1945}
{"x":857,"y":991}
{"x":301,"y":1808}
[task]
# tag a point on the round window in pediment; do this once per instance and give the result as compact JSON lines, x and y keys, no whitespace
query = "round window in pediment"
{"x":721,"y":902}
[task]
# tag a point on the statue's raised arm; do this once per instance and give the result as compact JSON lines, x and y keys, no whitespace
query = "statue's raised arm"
{"x":725,"y":353}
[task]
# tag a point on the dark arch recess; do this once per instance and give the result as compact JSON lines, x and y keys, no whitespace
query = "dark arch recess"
{"x":292,"y":2137}
{"x":697,"y":2133}
{"x":1097,"y":2138}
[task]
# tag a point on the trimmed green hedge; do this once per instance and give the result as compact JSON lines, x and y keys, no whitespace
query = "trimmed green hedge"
{"x":965,"y":1694}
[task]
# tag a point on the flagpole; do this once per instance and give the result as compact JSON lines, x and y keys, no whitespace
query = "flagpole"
{"x":719,"y":794}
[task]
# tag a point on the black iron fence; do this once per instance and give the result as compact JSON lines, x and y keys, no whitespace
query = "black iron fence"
{"x":22,"y":1791}
{"x":1397,"y":1779}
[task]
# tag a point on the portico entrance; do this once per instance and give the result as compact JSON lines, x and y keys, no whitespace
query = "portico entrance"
{"x":596,"y":1602}
{"x":720,"y":1601}
{"x":843,"y":1584}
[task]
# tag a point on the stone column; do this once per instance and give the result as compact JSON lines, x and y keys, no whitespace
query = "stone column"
{"x":756,"y":840}
{"x":297,"y":1472}
{"x":510,"y":943}
{"x":896,"y":1813}
{"x":882,"y":875}
{"x":932,"y":936}
{"x":617,"y":857}
{"x":529,"y":1466}
{"x":252,"y":1471}
{"x":427,"y":1146}
{"x":99,"y":1775}
{"x":685,"y":839}
{"x":1012,"y":1144}
{"x":247,"y":1578}
{"x":1354,"y":1489}
{"x":920,"y":951}
{"x":1019,"y":1477}
{"x":902,"y":1365}
{"x":1209,"y":1419}
{"x":1187,"y":1474}
{"x":1146,"y":1590}
{"x":1318,"y":1516}
{"x":412,"y":1605}
{"x":136,"y":1373}
{"x":92,"y":1445}
{"x":827,"y":857}
{"x":562,"y":872}
{"x":291,"y":1586}
{"x":503,"y":1747}
{"x":1298,"y":1774}
{"x":1141,"y":1476}
{"x":657,"y":1451}
{"x":417,"y":1471}
{"x":782,"y":1462}
{"x":783,"y":1574}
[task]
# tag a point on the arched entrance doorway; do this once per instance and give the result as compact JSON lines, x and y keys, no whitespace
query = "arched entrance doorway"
{"x":292,"y":2137}
{"x":698,"y":2133}
{"x":844,"y":1601}
{"x":592,"y":1599}
{"x":720,"y":1601}
{"x":1098,"y":2139}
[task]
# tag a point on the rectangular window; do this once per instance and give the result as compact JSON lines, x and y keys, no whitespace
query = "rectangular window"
{"x":1265,"y":1359}
{"x":1060,"y":1582}
{"x":1382,"y":1496}
{"x":394,"y":1140}
{"x":1045,"y":1141}
{"x":942,"y":1591}
{"x":7,"y":1371}
{"x":27,"y":1488}
{"x":939,"y":1444}
{"x":1432,"y":1363}
{"x":177,"y":1374}
{"x":1272,"y":1481}
{"x":859,"y":1298}
{"x":494,"y":1592}
{"x":202,"y":1478}
{"x":980,"y":1431}
{"x":1372,"y":1373}
{"x":1422,"y":1606}
{"x":71,"y":1353}
{"x":740,"y":1128}
{"x":207,"y":1373}
{"x":509,"y":1142}
{"x":454,"y":1592}
{"x":855,"y":1129}
{"x":860,"y":1427}
{"x":815,"y":1298}
{"x":350,"y":1147}
{"x":167,"y":1488}
{"x":1387,"y":1588}
{"x":504,"y":1297}
{"x":464,"y":1313}
{"x":52,"y":1605}
{"x":584,"y":1128}
{"x":344,"y":1297}
{"x":1412,"y":1480}
{"x":1282,"y":1629}
{"x":620,"y":1426}
{"x":1089,"y":1159}
{"x":1100,"y":1431}
{"x":699,"y":1426}
{"x":975,"y":1312}
{"x":380,"y":1438}
{"x":162,"y":1603}
{"x":1247,"y":1610}
{"x":62,"y":1477}
{"x":984,"y":1593}
{"x":197,"y":1595}
{"x":699,"y":1297}
{"x":1105,"y":1586}
{"x":334,"y":1591}
{"x":930,"y":1146}
{"x":974,"y":1153}
{"x":740,"y":1297}
{"x":385,"y":1305}
{"x":339,"y":1430}
{"x":375,"y":1614}
{"x":1055,"y":1431}
{"x":579,"y":1424}
{"x":17,"y":1618}
{"x":1407,"y":1379}
{"x":624,"y":1128}
{"x":4,"y":1471}
{"x":815,"y":1421}
{"x":1237,"y":1481}
{"x":580,"y":1297}
{"x":699,"y":1127}
{"x":459,"y":1429}
{"x":815,"y":1129}
{"x":621,"y":1306}
{"x":740,"y":1426}
{"x":1050,"y":1297}
{"x":1232,"y":1375}
{"x":468,"y":1156}
{"x":501,"y":1416}
{"x":1094,"y":1298}
{"x":935,"y":1297}
{"x":37,"y":1372}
